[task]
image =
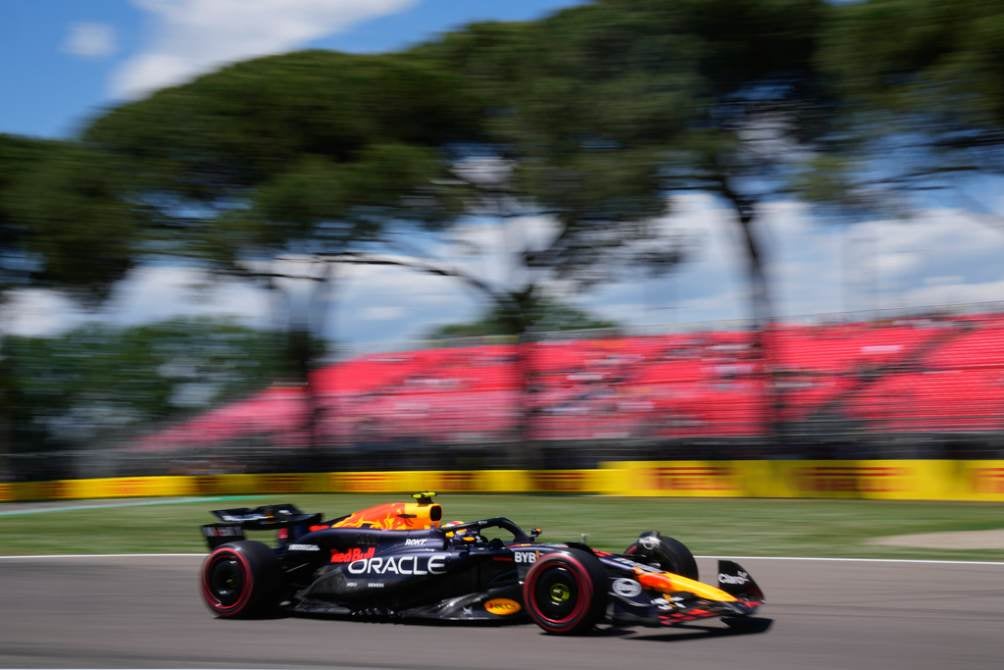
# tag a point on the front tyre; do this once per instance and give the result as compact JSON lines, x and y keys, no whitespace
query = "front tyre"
{"x":665,"y":553}
{"x":565,"y":593}
{"x":241,"y":579}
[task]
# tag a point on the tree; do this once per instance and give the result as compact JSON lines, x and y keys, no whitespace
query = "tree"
{"x":923,"y":103}
{"x":97,"y":381}
{"x":62,"y":227}
{"x":289,"y":161}
{"x":660,"y":96}
{"x":314,"y":155}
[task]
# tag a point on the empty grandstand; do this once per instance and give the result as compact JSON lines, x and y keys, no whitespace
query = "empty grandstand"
{"x":901,"y":386}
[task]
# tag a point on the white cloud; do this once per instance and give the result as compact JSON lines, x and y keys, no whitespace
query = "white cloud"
{"x":942,"y":257}
{"x":487,"y":248}
{"x":194,"y":36}
{"x":155,"y":293}
{"x":37,"y":312}
{"x":88,"y":39}
{"x":898,"y":262}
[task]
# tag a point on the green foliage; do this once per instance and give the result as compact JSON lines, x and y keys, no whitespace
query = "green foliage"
{"x":312,"y":150}
{"x":18,"y":155}
{"x":546,"y":315}
{"x":62,"y":223}
{"x":605,"y":108}
{"x":77,"y":230}
{"x":70,"y":388}
{"x":921,"y":95}
{"x":922,"y":57}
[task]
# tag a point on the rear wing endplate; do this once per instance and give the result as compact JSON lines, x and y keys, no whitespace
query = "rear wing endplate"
{"x":234,"y":521}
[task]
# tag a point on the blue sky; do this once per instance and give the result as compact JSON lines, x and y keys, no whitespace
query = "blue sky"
{"x":61,"y":58}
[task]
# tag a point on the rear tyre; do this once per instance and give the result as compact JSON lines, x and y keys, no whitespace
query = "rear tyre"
{"x":665,"y":553}
{"x":565,"y":593}
{"x":241,"y":580}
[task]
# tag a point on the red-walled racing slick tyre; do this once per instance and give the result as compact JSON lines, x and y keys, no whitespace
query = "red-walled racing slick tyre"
{"x":241,"y":579}
{"x":566,"y":592}
{"x":666,"y":553}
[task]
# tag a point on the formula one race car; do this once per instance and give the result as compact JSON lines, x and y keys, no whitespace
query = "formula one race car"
{"x":399,"y":560}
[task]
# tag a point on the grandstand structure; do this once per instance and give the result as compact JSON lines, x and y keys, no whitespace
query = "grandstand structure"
{"x":935,"y":382}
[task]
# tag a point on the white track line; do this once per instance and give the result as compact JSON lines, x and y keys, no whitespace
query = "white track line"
{"x":856,"y":560}
{"x":76,"y":556}
{"x":736,"y":558}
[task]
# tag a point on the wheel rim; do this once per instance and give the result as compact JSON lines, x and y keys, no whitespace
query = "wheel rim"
{"x":556,"y":593}
{"x":226,"y":580}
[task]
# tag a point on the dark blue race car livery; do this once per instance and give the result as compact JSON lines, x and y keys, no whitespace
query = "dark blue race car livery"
{"x":400,"y":561}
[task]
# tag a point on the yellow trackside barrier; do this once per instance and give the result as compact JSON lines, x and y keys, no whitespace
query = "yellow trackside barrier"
{"x":869,"y":480}
{"x":845,"y":479}
{"x":709,"y":479}
{"x":848,"y":479}
{"x":981,"y":480}
{"x":469,"y":481}
{"x":126,"y":487}
{"x":116,"y":487}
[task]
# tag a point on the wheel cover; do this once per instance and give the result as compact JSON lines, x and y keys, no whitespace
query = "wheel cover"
{"x":556,"y":593}
{"x":226,"y":580}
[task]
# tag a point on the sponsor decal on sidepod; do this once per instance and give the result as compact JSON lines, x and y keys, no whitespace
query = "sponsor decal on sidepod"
{"x":740,"y":578}
{"x":304,"y":547}
{"x":399,"y":565}
{"x":353,"y":554}
{"x":502,"y":606}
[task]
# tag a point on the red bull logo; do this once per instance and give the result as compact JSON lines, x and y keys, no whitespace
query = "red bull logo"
{"x":352,"y":554}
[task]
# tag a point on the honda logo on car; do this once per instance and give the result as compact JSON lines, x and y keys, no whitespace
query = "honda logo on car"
{"x":400,"y":565}
{"x":740,"y":578}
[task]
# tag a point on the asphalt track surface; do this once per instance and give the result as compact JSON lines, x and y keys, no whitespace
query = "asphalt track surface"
{"x":112,"y":612}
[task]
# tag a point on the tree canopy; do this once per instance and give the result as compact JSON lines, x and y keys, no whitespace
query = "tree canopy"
{"x":552,"y":316}
{"x":62,"y":222}
{"x":97,"y":379}
{"x":590,"y":117}
{"x":304,"y":152}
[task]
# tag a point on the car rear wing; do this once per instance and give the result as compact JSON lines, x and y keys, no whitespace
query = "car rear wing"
{"x":234,"y":521}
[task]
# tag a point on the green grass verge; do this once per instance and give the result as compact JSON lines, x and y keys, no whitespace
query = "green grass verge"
{"x":708,"y":526}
